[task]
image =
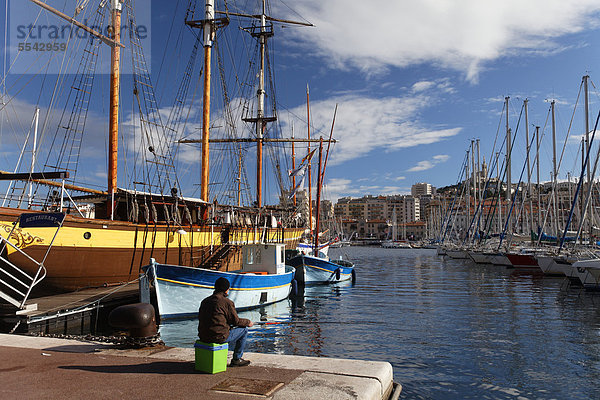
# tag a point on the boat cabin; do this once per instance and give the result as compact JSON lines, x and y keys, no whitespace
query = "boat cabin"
{"x":265,"y":258}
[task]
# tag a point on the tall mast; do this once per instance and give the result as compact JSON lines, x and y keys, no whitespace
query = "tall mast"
{"x":467,"y":192}
{"x":209,"y":16}
{"x":527,"y":148}
{"x":554,"y":170}
{"x":499,"y":186}
{"x":394,"y":224}
{"x":587,"y":121}
{"x":319,"y":183}
{"x":260,"y":109}
{"x":293,"y":163}
{"x":309,"y":161}
{"x":587,"y":145}
{"x":478,"y":175}
{"x":210,"y":24}
{"x":473,"y":172}
{"x":582,"y":211}
{"x":404,"y":217}
{"x":115,"y":81}
{"x":537,"y":166}
{"x":508,"y":151}
{"x":33,"y":153}
{"x":239,"y":178}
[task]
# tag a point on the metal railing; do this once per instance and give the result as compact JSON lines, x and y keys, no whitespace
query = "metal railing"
{"x":16,"y":284}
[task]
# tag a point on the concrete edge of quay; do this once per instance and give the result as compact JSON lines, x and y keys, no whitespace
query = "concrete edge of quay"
{"x":318,"y":377}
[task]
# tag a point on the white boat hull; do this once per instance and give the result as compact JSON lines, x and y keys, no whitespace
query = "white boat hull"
{"x":180,"y":290}
{"x":587,"y":273}
{"x":498,"y":259}
{"x":479,"y":257}
{"x":549,"y":266}
{"x":457,"y":254}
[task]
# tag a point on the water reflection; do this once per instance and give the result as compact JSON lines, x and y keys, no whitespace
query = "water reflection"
{"x":450,"y":328}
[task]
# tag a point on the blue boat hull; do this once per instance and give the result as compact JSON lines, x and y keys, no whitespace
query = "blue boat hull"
{"x":315,"y":270}
{"x":180,"y":290}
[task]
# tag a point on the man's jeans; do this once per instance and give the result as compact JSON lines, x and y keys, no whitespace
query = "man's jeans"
{"x":237,"y":341}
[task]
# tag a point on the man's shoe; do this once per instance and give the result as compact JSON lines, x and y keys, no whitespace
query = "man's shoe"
{"x":239,"y":363}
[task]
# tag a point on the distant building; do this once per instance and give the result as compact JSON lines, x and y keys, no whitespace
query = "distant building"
{"x":371,"y":216}
{"x":416,"y":230}
{"x":366,"y":229}
{"x":422,"y":189}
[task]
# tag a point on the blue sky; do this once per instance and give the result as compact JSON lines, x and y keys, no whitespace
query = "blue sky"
{"x":414,"y":82}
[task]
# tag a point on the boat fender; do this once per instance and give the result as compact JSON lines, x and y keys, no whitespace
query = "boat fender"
{"x":338,"y":273}
{"x":353,"y":275}
{"x":138,"y":318}
{"x":294,"y":288}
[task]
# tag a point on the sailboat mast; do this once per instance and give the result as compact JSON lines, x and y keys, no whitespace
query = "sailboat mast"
{"x":508,"y":151}
{"x":479,"y":183}
{"x":260,"y":109}
{"x":394,"y":225}
{"x":537,"y":167}
{"x":499,"y":186}
{"x":33,"y":153}
{"x":209,"y":16}
{"x":115,"y":81}
{"x":474,"y":182}
{"x":309,"y":161}
{"x":467,"y":194}
{"x":527,"y":148}
{"x":587,"y":145}
{"x":319,"y":183}
{"x":582,"y":200}
{"x":239,"y":178}
{"x":293,"y":163}
{"x":554,"y":170}
{"x":587,"y":121}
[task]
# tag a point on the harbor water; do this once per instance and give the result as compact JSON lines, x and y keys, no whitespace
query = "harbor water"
{"x":450,"y":328}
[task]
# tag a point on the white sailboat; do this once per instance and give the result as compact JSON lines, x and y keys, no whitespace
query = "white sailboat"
{"x":393,"y":242}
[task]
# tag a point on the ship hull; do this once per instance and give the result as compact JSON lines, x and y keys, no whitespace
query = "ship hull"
{"x":92,"y":253}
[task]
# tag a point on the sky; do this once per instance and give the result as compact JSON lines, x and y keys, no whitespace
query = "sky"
{"x":414,"y":82}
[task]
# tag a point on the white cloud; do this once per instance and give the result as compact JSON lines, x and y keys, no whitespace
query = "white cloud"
{"x":17,"y":125}
{"x":440,"y":158}
{"x":421,"y":166}
{"x":341,"y":187}
{"x":364,"y":125}
{"x":422,"y":85}
{"x":464,"y":34}
{"x":428,"y":164}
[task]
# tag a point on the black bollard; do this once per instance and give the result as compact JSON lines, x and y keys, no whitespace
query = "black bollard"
{"x":138,"y":318}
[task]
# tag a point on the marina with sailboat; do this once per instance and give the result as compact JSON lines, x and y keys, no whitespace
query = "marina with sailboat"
{"x":151,"y":150}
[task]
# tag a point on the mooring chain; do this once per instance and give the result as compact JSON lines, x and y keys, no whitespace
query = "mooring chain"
{"x":124,"y":341}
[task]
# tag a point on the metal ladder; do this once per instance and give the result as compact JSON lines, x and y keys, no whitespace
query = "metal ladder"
{"x":16,"y":284}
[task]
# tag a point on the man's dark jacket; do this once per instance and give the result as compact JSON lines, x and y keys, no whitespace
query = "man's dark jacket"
{"x":215,"y":316}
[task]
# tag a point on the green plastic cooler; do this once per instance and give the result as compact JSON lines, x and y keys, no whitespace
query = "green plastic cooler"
{"x":211,"y":357}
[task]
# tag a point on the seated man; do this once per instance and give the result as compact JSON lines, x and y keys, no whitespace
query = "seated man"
{"x":218,"y":322}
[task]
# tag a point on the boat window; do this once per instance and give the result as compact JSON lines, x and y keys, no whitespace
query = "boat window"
{"x":250,"y":256}
{"x":258,"y":256}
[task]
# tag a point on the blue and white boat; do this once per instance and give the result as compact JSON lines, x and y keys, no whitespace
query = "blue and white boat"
{"x":312,"y":270}
{"x":263,"y":279}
